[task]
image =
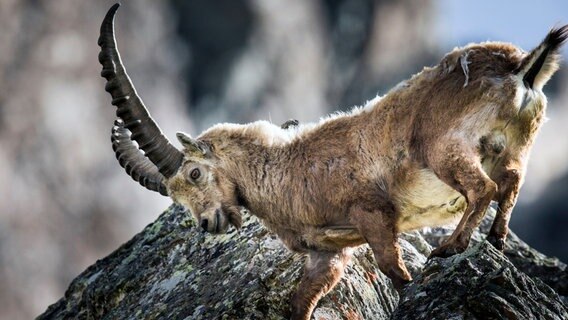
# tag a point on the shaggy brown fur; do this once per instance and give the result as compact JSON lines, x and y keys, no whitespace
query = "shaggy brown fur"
{"x":436,"y":149}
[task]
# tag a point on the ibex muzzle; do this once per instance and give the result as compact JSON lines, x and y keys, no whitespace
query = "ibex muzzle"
{"x":436,"y":149}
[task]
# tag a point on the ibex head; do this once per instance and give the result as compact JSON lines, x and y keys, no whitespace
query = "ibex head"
{"x":189,"y":177}
{"x":203,"y":188}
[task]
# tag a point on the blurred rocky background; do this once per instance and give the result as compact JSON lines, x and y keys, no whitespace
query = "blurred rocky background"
{"x":64,"y":201}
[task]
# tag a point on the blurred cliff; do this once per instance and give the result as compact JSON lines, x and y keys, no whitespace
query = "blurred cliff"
{"x":64,"y":201}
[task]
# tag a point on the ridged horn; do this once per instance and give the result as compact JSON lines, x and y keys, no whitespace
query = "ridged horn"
{"x":140,"y":168}
{"x":130,"y":108}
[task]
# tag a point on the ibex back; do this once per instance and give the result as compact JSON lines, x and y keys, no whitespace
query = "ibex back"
{"x":436,"y":149}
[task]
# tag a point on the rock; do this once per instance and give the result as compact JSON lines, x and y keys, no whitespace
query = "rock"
{"x":479,"y":284}
{"x":172,"y":270}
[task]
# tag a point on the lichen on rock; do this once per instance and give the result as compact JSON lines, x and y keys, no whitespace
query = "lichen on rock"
{"x":478,"y":284}
{"x":172,"y":270}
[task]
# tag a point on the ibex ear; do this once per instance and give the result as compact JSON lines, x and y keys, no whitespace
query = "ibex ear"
{"x":541,"y":63}
{"x":193,"y":146}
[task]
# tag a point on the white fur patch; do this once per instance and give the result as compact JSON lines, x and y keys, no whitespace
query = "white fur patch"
{"x":528,"y":99}
{"x":370,"y":105}
{"x":465,"y":68}
{"x":520,"y":93}
{"x":428,"y":202}
{"x":266,"y":133}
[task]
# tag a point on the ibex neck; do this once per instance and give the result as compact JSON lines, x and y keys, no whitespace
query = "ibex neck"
{"x":245,"y":154}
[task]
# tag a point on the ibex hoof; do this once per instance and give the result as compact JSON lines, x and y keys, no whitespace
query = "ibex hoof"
{"x":445,"y":251}
{"x":400,"y":284}
{"x":497,"y":242}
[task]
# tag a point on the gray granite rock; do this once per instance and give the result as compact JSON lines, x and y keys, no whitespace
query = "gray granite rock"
{"x":481,"y":283}
{"x":172,"y":270}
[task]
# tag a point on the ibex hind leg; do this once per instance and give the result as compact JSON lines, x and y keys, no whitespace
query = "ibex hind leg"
{"x":378,"y":227}
{"x":322,"y":272}
{"x":508,"y":179}
{"x":461,"y":169}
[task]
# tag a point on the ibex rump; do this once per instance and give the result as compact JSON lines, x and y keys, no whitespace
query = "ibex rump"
{"x":436,"y":149}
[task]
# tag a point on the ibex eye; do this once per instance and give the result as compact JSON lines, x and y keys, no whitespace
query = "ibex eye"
{"x":195,"y":174}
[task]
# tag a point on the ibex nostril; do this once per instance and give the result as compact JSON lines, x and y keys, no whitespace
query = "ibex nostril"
{"x":204,"y":223}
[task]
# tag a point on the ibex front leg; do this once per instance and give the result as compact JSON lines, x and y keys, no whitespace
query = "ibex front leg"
{"x":379,"y":230}
{"x":322,"y":272}
{"x":461,"y":169}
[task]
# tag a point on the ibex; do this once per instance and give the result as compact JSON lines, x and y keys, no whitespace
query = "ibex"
{"x":435,"y":150}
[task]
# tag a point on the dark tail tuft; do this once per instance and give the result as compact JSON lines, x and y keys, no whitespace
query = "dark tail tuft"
{"x":556,"y":38}
{"x":540,"y":56}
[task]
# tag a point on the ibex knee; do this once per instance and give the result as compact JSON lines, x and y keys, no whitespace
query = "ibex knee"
{"x":483,"y":188}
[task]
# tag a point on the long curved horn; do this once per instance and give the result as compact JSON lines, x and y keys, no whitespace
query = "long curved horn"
{"x":134,"y":162}
{"x":129,"y":105}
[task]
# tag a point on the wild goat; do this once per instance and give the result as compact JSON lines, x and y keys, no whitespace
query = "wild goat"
{"x":436,"y":149}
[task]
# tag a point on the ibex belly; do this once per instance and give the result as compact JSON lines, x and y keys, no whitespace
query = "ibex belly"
{"x":423,"y":201}
{"x":426,"y":201}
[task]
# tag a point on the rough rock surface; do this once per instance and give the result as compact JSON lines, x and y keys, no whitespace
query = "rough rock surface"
{"x":479,"y":284}
{"x":171,"y":270}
